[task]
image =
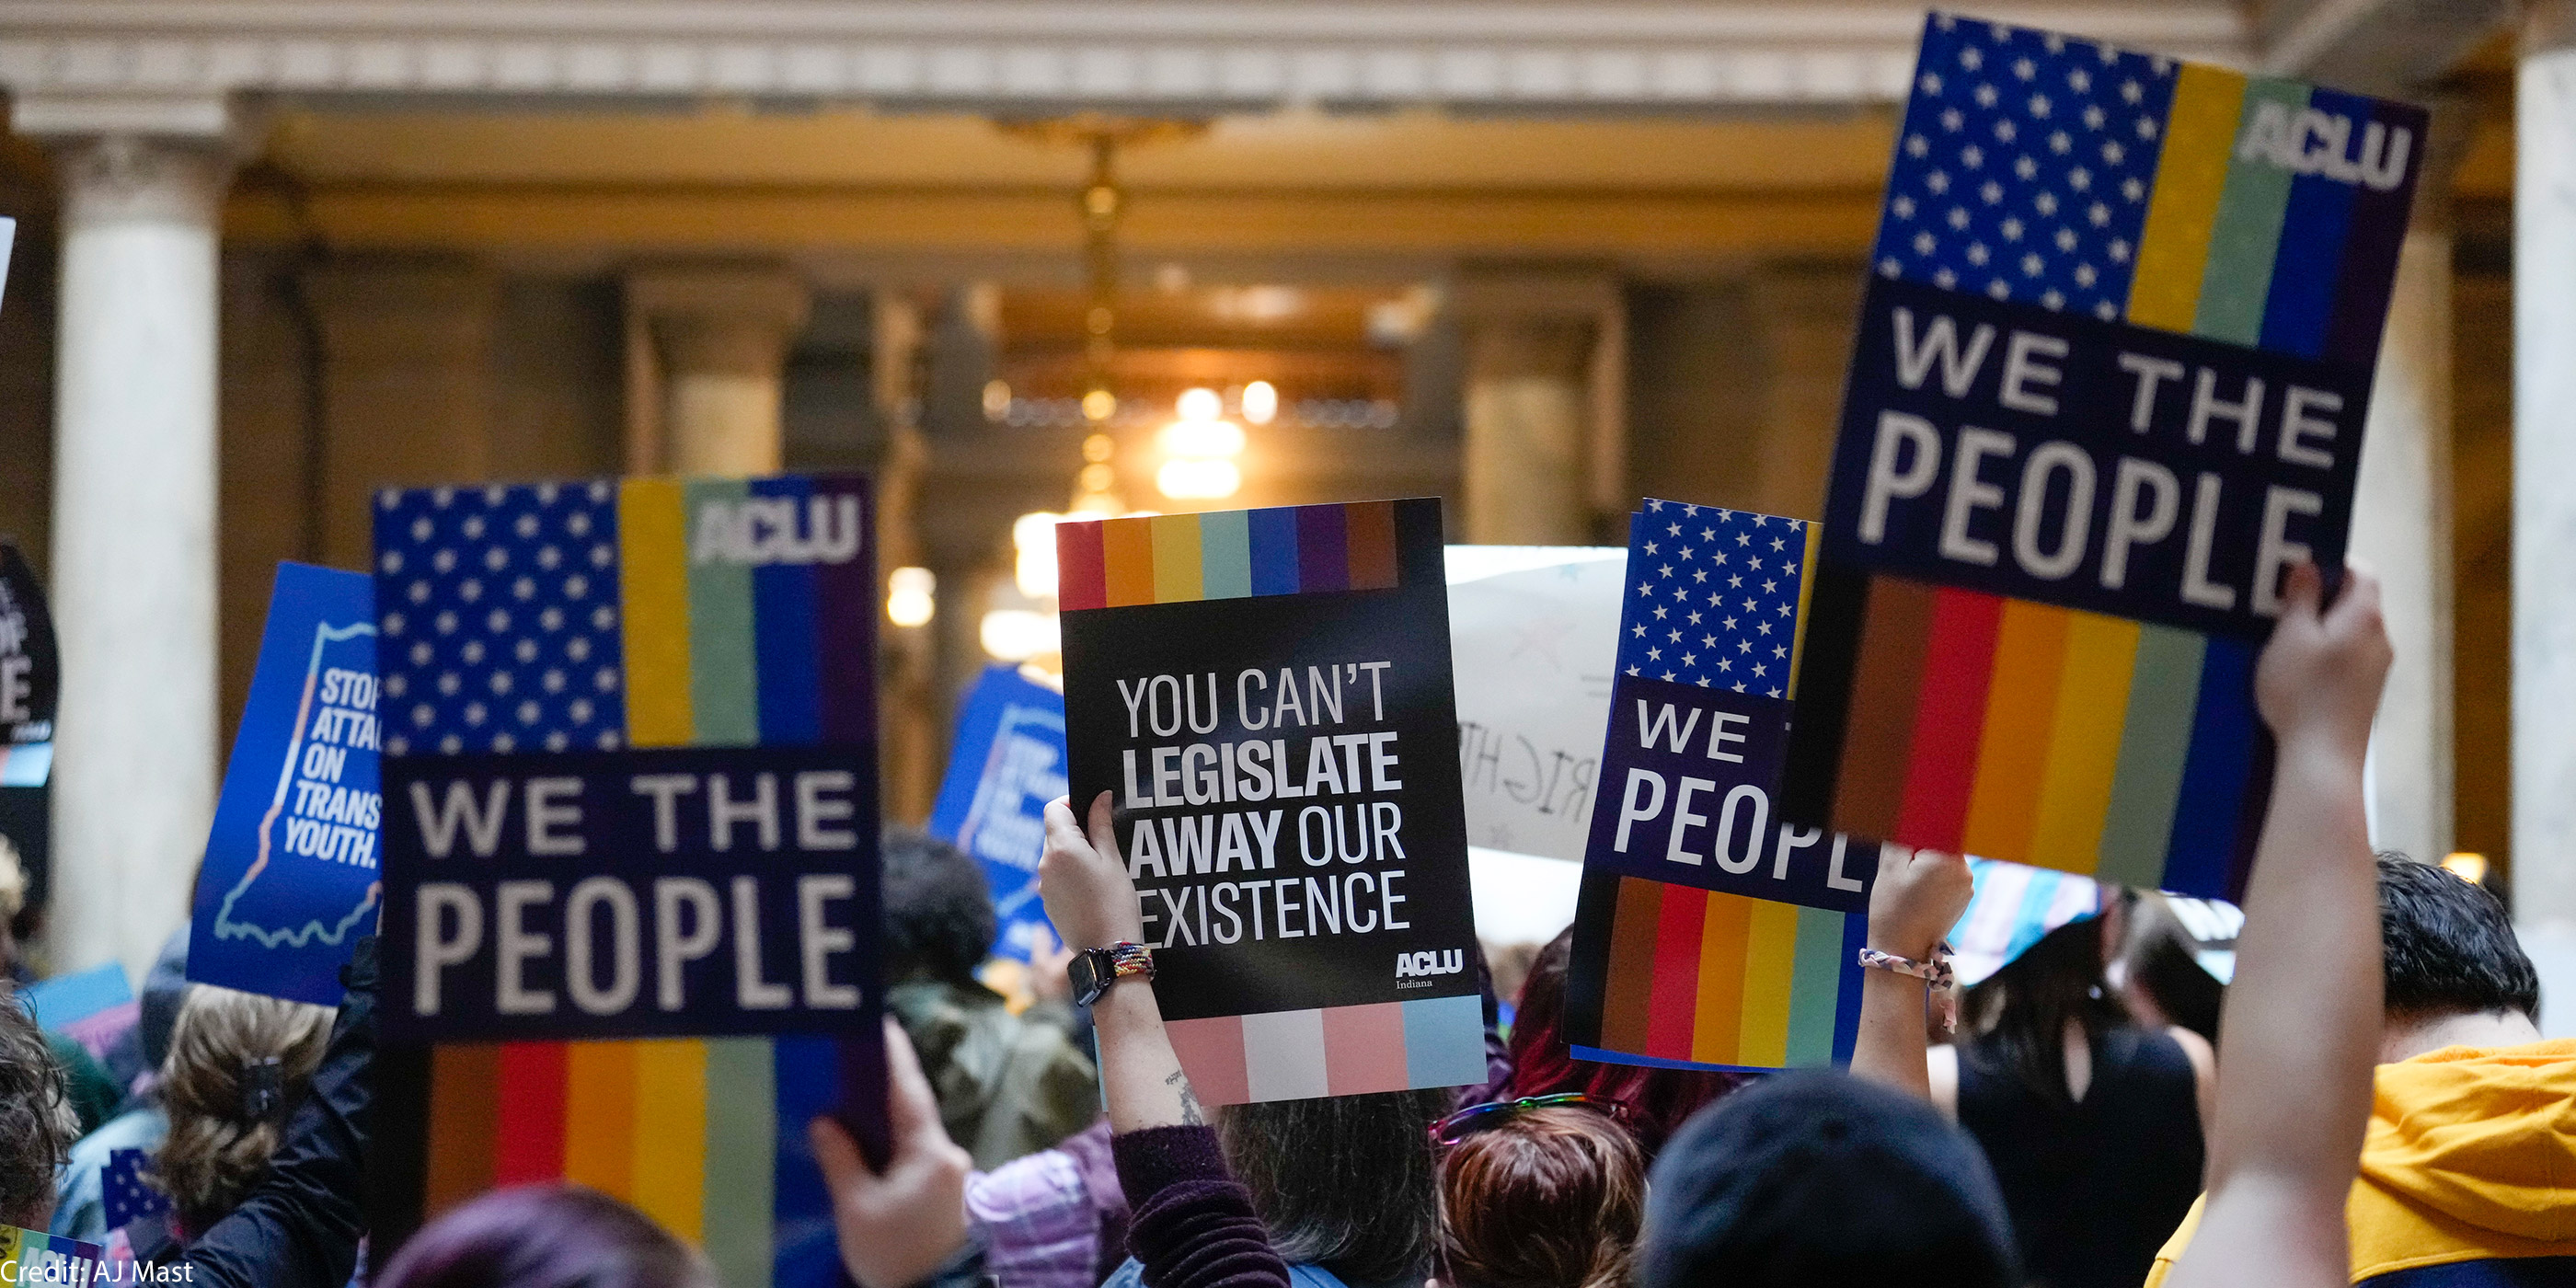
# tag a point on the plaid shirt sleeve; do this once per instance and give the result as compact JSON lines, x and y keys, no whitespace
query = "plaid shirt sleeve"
{"x":1039,"y":1227}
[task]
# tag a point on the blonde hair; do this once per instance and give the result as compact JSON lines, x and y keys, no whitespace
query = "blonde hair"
{"x":221,"y":1136}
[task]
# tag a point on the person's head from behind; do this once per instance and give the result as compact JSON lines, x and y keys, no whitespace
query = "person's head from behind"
{"x":545,"y":1236}
{"x":939,"y":920}
{"x":37,"y":1126}
{"x":1543,"y":1198}
{"x":1344,"y":1182}
{"x":238,"y":1062}
{"x":2021,"y":1012}
{"x":1818,"y":1178}
{"x":2447,"y":952}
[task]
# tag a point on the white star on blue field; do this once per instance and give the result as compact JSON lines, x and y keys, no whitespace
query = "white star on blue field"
{"x":2024,"y":167}
{"x":1712,"y":598}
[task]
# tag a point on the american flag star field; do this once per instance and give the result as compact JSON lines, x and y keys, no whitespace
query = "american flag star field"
{"x":1713,"y":597}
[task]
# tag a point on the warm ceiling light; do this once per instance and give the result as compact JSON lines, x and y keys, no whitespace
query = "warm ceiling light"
{"x":1189,"y":480}
{"x":1200,"y":404}
{"x":1033,"y":537}
{"x":1260,"y":402}
{"x":2468,"y":867}
{"x":1201,"y":438}
{"x":1099,"y":405}
{"x":911,"y":596}
{"x":1018,"y":634}
{"x":997,"y":399}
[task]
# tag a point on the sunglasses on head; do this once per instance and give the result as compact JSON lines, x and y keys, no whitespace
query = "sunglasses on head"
{"x":1475,"y":1118}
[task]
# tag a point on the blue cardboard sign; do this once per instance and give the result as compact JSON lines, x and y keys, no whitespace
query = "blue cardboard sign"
{"x":681,"y":892}
{"x":1006,"y":764}
{"x":291,"y":879}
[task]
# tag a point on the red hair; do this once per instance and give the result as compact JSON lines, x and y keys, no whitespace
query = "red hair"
{"x":1547,"y":1198}
{"x":1662,"y":1099}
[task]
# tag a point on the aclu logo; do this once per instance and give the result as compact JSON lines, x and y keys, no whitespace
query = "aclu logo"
{"x":766,"y":530}
{"x":2319,"y":142}
{"x":1447,"y":962}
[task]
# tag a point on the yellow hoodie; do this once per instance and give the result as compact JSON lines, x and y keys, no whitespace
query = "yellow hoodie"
{"x":2471,"y":1156}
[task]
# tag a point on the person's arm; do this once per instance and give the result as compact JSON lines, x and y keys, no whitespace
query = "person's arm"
{"x":1194,"y":1226}
{"x":1919,"y":896}
{"x":301,"y":1225}
{"x":2301,"y":1028}
{"x":907,"y":1224}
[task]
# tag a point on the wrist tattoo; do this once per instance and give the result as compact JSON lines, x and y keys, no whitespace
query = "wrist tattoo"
{"x":1192,"y":1115}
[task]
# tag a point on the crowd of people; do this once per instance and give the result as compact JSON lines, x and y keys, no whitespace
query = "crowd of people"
{"x":2378,"y":1106}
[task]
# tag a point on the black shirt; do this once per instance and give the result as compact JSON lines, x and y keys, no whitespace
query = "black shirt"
{"x":2094,"y":1187}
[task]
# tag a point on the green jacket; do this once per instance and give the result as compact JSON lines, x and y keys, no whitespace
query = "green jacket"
{"x":1007,"y":1084}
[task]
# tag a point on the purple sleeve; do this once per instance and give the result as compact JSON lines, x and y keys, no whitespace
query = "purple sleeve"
{"x":1194,"y":1226}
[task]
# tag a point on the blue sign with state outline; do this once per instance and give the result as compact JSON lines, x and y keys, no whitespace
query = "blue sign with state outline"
{"x":291,"y":875}
{"x":1007,"y":762}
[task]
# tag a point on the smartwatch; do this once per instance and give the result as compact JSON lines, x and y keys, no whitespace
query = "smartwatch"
{"x":1093,"y":970}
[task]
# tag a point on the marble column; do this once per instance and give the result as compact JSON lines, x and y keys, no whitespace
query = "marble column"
{"x":1544,"y":403}
{"x":134,"y":572}
{"x":2544,"y":477}
{"x":2402,"y":530}
{"x":718,"y":336}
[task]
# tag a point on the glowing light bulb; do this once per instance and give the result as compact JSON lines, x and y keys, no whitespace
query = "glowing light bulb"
{"x":1200,"y":404}
{"x":1033,"y":538}
{"x":912,"y":596}
{"x":1260,"y":402}
{"x":1201,"y":438}
{"x":1195,"y":480}
{"x":1018,"y":634}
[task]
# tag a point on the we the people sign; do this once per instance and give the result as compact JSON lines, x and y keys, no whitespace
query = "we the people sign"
{"x":2109,"y":385}
{"x":630,"y":851}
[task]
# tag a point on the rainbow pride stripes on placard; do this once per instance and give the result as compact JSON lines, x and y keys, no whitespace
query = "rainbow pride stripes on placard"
{"x":1730,"y":981}
{"x":2239,"y":248}
{"x":1980,"y":724}
{"x":706,"y":1137}
{"x":651,"y":612}
{"x":1334,"y":1051}
{"x":1226,"y":554}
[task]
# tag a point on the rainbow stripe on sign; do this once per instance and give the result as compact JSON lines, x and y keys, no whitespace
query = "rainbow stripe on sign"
{"x":705,"y":1137}
{"x":1334,"y":1051}
{"x":624,"y":637}
{"x":1730,"y":981}
{"x":2118,"y":749}
{"x":1225,"y":554}
{"x":35,"y":1257}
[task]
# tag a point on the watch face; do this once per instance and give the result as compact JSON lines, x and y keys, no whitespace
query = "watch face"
{"x":1084,"y":971}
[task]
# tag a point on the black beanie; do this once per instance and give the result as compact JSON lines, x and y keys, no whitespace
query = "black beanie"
{"x":1821,"y":1179}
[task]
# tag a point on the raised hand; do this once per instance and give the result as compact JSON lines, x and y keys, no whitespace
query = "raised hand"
{"x":897,"y":1226}
{"x":1084,"y":882}
{"x":1919,"y":896}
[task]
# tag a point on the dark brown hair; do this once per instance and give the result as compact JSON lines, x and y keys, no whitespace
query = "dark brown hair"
{"x":36,"y":1122}
{"x":1343,"y":1182}
{"x":1548,"y":1198}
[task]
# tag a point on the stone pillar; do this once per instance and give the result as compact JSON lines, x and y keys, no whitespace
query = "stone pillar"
{"x":911,"y":717}
{"x":134,"y":573}
{"x":2402,"y":530}
{"x":1545,"y":406}
{"x":1805,"y":313}
{"x":2544,"y":460}
{"x":715,"y":338}
{"x":406,"y":385}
